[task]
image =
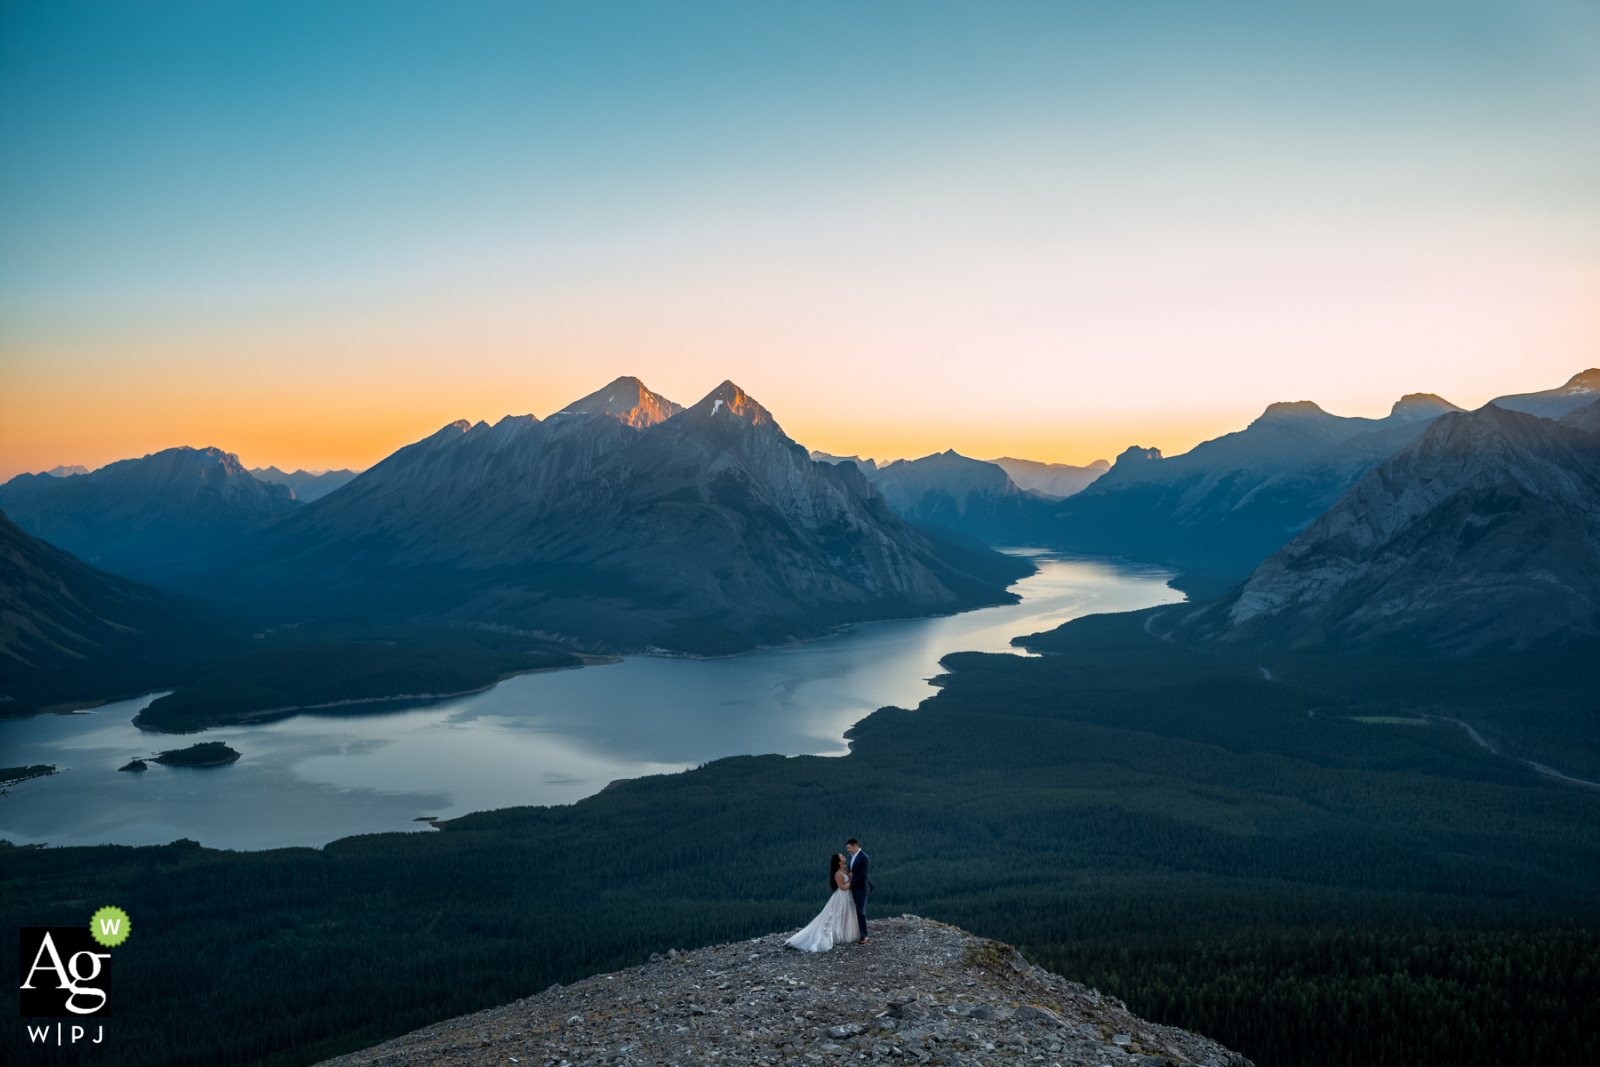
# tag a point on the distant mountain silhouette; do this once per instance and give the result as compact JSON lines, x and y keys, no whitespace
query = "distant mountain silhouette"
{"x":145,"y":517}
{"x":305,"y":485}
{"x":615,"y":525}
{"x":1229,"y":503}
{"x":869,"y":467}
{"x":1056,"y":479}
{"x":1581,"y":390}
{"x":969,"y":495}
{"x":1482,"y":533}
{"x":71,"y":632}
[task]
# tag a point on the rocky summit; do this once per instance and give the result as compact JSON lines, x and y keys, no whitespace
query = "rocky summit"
{"x":622,"y":523}
{"x":920,"y":993}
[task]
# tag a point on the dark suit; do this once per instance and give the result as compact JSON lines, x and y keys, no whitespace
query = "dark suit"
{"x":859,"y":886}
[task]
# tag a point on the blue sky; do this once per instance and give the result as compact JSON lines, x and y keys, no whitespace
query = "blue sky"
{"x":313,"y":232}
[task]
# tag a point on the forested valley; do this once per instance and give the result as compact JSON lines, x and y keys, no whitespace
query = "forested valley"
{"x":1318,"y":868}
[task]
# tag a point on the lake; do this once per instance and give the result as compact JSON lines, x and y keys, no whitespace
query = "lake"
{"x":549,"y":738}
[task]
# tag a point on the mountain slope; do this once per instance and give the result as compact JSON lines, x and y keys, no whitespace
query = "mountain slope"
{"x":1580,"y":390}
{"x":70,"y":632}
{"x":145,"y":517}
{"x":1230,"y":502}
{"x":1586,"y":419}
{"x":1482,"y":533}
{"x":708,"y":531}
{"x":1056,"y":479}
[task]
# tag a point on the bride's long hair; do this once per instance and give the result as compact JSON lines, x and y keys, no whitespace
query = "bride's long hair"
{"x":833,"y":869}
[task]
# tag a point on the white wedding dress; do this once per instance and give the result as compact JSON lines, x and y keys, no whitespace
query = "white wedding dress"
{"x":836,"y":925}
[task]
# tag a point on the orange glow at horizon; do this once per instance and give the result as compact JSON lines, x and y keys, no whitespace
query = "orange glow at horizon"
{"x":279,"y":425}
{"x":344,"y":415}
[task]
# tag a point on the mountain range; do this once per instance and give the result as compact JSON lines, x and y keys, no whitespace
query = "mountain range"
{"x":1221,"y":508}
{"x":622,"y":522}
{"x":145,"y":518}
{"x":1054,"y":479}
{"x":305,"y":485}
{"x":1482,"y":533}
{"x":1581,"y":390}
{"x":625,"y":521}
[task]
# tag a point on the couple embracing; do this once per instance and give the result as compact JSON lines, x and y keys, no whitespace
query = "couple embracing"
{"x":844,"y":920}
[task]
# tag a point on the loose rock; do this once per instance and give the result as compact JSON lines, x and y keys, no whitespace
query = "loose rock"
{"x":919,"y":993}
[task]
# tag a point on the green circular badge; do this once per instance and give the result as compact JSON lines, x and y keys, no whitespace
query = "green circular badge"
{"x":110,"y":926}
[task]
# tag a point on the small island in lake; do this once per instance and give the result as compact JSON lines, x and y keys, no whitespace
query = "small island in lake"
{"x":205,"y":754}
{"x":135,"y":765}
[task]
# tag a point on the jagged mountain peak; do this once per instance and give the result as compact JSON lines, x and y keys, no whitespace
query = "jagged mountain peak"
{"x":1415,"y":406}
{"x":1137,"y":454}
{"x":626,"y":399}
{"x":184,"y":462}
{"x":728,"y":400}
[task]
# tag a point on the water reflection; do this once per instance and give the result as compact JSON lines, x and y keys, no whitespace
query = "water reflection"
{"x":536,"y":739}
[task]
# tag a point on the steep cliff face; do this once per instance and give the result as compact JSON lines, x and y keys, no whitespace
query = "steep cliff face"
{"x":706,"y":531}
{"x":145,"y":517}
{"x":920,"y":991}
{"x":1484,"y":532}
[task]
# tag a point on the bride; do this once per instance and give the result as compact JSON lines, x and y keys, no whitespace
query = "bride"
{"x":836,"y":925}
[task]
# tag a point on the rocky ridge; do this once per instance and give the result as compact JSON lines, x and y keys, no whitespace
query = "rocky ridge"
{"x":1579,"y":391}
{"x":621,"y":523}
{"x":1483,"y":532}
{"x":1230,"y":502}
{"x":920,"y":993}
{"x":142,"y":517}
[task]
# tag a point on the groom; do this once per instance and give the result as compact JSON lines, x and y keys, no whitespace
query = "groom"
{"x":859,"y":886}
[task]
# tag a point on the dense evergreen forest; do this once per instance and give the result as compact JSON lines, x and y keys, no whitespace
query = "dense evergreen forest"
{"x":1238,"y":855}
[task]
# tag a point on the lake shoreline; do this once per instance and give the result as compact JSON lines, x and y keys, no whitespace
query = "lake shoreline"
{"x":310,"y":777}
{"x":258,"y":718}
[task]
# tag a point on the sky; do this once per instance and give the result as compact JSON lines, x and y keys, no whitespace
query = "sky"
{"x":311,"y":233}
